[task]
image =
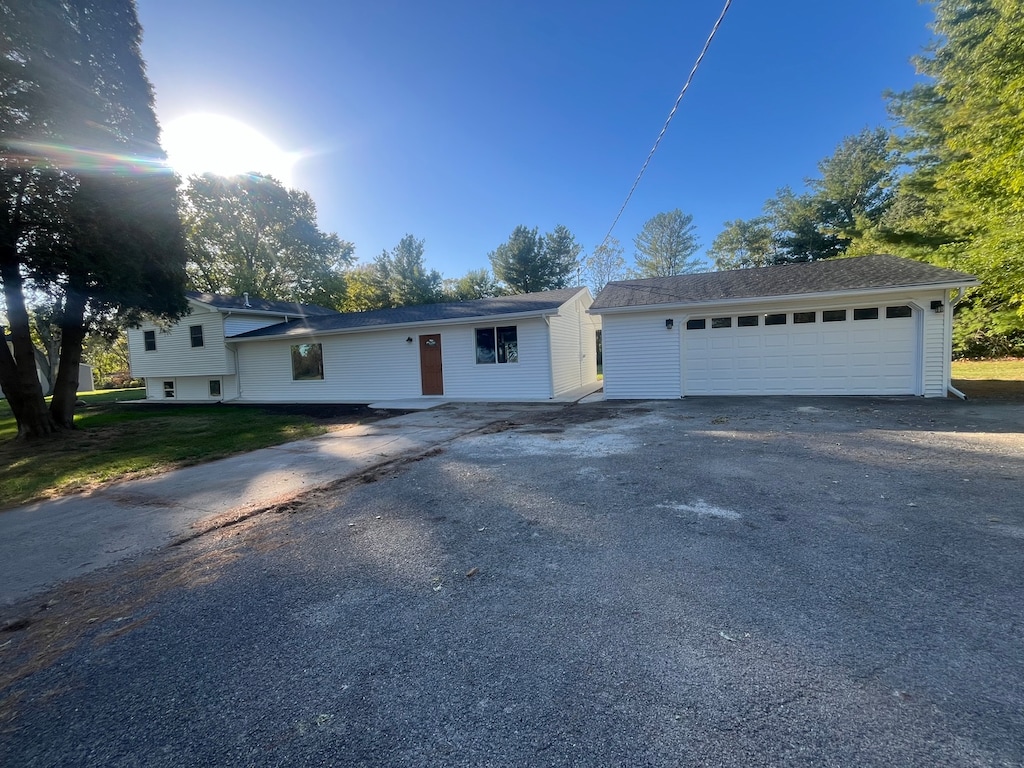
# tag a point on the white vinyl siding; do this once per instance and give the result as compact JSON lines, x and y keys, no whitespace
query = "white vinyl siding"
{"x":175,"y":355}
{"x":235,"y":324}
{"x":641,"y":356}
{"x":573,"y":346}
{"x":938,"y":338}
{"x":380,"y":365}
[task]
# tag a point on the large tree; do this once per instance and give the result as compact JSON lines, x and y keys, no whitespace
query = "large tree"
{"x":396,"y":278}
{"x":248,"y":233}
{"x":964,"y":141}
{"x":744,"y":243}
{"x":604,"y":265}
{"x":475,"y":284}
{"x":529,"y":262}
{"x":666,"y":246}
{"x":88,"y":215}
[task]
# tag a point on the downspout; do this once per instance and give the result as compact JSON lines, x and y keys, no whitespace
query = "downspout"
{"x":551,"y":359}
{"x":953,"y":300}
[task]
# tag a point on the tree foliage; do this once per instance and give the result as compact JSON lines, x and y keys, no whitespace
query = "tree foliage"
{"x":475,"y":284}
{"x":88,"y":215}
{"x":248,"y":233}
{"x":964,"y":141}
{"x":396,"y":278}
{"x":666,"y":246}
{"x":745,"y":243}
{"x":530,"y":262}
{"x":604,"y":265}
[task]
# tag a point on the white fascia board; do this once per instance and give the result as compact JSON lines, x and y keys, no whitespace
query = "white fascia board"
{"x":786,"y":298}
{"x":494,"y":319}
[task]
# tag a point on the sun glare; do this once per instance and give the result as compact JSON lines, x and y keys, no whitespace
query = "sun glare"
{"x":206,"y":143}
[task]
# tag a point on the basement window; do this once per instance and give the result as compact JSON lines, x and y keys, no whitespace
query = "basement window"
{"x":892,"y":312}
{"x":779,"y":319}
{"x":307,"y":362}
{"x":833,"y":316}
{"x":195,"y":332}
{"x":214,"y":387}
{"x":721,"y":322}
{"x":804,"y":317}
{"x":867,"y":313}
{"x":168,"y":389}
{"x":497,"y":345}
{"x":149,"y":339}
{"x":696,"y":325}
{"x":747,"y":321}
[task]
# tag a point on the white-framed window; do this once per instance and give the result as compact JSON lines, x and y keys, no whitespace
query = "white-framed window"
{"x":307,"y":362}
{"x":497,"y":345}
{"x":195,"y":333}
{"x":214,"y":387}
{"x":168,"y":389}
{"x":149,"y":340}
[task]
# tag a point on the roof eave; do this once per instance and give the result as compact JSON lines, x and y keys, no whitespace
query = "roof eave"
{"x":402,"y":326}
{"x":781,"y":298}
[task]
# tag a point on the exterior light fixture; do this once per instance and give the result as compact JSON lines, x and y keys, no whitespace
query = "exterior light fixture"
{"x":408,"y":340}
{"x":669,"y":323}
{"x":938,"y":307}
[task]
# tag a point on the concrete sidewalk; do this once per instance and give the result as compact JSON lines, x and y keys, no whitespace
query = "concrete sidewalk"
{"x":49,"y":542}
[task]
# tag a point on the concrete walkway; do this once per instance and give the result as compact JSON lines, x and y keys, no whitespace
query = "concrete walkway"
{"x":49,"y":542}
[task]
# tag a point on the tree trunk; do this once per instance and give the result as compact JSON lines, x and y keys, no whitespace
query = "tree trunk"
{"x":72,"y":336}
{"x":28,"y":404}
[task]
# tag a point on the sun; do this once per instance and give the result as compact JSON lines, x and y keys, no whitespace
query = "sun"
{"x":208,"y":143}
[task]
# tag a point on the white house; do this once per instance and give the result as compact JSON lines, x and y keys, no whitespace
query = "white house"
{"x":190,"y":360}
{"x":870,"y":325}
{"x":512,"y":348}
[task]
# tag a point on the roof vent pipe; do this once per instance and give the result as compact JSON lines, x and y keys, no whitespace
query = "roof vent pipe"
{"x":246,"y":297}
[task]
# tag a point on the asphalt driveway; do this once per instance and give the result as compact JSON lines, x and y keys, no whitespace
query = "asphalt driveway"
{"x":707,"y":582}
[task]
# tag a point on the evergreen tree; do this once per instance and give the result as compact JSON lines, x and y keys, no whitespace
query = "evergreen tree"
{"x":666,"y":246}
{"x":530,"y":262}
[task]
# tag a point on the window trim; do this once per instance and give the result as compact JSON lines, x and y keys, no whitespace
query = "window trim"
{"x":833,"y":315}
{"x":899,"y":312}
{"x":193,"y":337}
{"x":169,"y":389}
{"x":748,"y":321}
{"x":865,"y":313}
{"x":721,"y":322}
{"x":149,"y":341}
{"x":806,"y":318}
{"x":697,"y":324}
{"x":219,"y":387}
{"x":776,"y":318}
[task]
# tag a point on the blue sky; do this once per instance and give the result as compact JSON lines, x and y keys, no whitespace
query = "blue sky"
{"x":457,"y":120}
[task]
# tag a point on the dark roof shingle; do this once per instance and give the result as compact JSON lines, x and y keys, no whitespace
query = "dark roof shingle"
{"x":855,"y":273}
{"x":539,"y":303}
{"x":221,"y":301}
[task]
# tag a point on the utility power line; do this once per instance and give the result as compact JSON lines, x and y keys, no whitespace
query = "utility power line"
{"x":671,"y":114}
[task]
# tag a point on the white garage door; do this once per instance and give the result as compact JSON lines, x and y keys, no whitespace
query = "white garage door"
{"x":864,"y":350}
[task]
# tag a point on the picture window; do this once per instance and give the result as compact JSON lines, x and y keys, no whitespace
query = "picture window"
{"x":804,"y":317}
{"x":307,"y":362}
{"x":696,"y":325}
{"x":867,"y":313}
{"x":497,"y":345}
{"x":195,"y":332}
{"x":833,"y":316}
{"x":901,"y":311}
{"x":149,"y":339}
{"x":747,"y":321}
{"x":721,"y":322}
{"x":778,"y":319}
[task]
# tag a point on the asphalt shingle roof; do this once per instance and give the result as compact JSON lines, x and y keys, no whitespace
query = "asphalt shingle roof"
{"x":221,"y":301}
{"x":857,"y":273}
{"x":527,"y":303}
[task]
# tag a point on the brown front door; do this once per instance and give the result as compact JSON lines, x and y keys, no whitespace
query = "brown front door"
{"x":430,"y":364}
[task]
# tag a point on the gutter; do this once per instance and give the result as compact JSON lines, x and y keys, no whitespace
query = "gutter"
{"x":782,"y":298}
{"x":953,"y":301}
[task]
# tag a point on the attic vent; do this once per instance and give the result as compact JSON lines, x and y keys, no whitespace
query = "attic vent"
{"x":246,"y":297}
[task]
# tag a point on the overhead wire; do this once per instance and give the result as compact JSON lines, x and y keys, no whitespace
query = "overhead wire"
{"x":671,"y":114}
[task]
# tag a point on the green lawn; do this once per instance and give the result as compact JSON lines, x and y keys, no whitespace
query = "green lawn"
{"x":116,"y":440}
{"x":1009,"y":369}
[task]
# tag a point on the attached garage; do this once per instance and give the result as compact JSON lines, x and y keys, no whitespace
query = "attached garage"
{"x":873,"y":325}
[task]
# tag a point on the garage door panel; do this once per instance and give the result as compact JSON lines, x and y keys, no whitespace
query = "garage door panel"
{"x":841,"y":357}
